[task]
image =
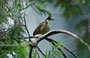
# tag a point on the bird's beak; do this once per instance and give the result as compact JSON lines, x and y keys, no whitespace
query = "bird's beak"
{"x":52,"y":19}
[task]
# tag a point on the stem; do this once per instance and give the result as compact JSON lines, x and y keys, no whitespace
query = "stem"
{"x":30,"y":53}
{"x":41,"y":52}
{"x":27,"y":28}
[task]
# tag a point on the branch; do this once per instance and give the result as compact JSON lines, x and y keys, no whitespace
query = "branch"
{"x":28,"y":6}
{"x":53,"y":41}
{"x":30,"y":52}
{"x":27,"y":28}
{"x":53,"y":32}
{"x":41,"y":52}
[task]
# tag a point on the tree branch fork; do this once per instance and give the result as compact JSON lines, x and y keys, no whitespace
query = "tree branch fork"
{"x":53,"y":32}
{"x":45,"y":36}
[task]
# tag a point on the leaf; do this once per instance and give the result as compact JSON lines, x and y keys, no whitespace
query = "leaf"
{"x":41,"y":10}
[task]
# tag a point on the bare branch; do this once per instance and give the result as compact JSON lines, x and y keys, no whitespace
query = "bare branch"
{"x":53,"y":32}
{"x":41,"y":52}
{"x":30,"y":52}
{"x":53,"y":41}
{"x":26,"y":28}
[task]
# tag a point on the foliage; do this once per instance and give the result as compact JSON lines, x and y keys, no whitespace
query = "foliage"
{"x":55,"y":53}
{"x":15,"y":50}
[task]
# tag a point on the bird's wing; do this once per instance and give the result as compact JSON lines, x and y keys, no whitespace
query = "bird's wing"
{"x":37,"y":30}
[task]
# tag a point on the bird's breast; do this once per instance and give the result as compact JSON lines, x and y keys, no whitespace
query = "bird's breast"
{"x":46,"y":28}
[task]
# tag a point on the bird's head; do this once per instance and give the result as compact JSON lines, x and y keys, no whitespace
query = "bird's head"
{"x":49,"y":19}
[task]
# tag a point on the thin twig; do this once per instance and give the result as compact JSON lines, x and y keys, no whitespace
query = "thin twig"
{"x":30,"y":52}
{"x":28,"y":6}
{"x":71,"y":52}
{"x":62,"y":53}
{"x":24,"y":38}
{"x":53,"y":41}
{"x":41,"y":52}
{"x":27,"y":28}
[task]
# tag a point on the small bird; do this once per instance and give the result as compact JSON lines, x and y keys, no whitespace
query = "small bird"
{"x":43,"y":27}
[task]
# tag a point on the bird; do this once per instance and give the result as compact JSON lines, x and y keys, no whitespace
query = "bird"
{"x":43,"y":27}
